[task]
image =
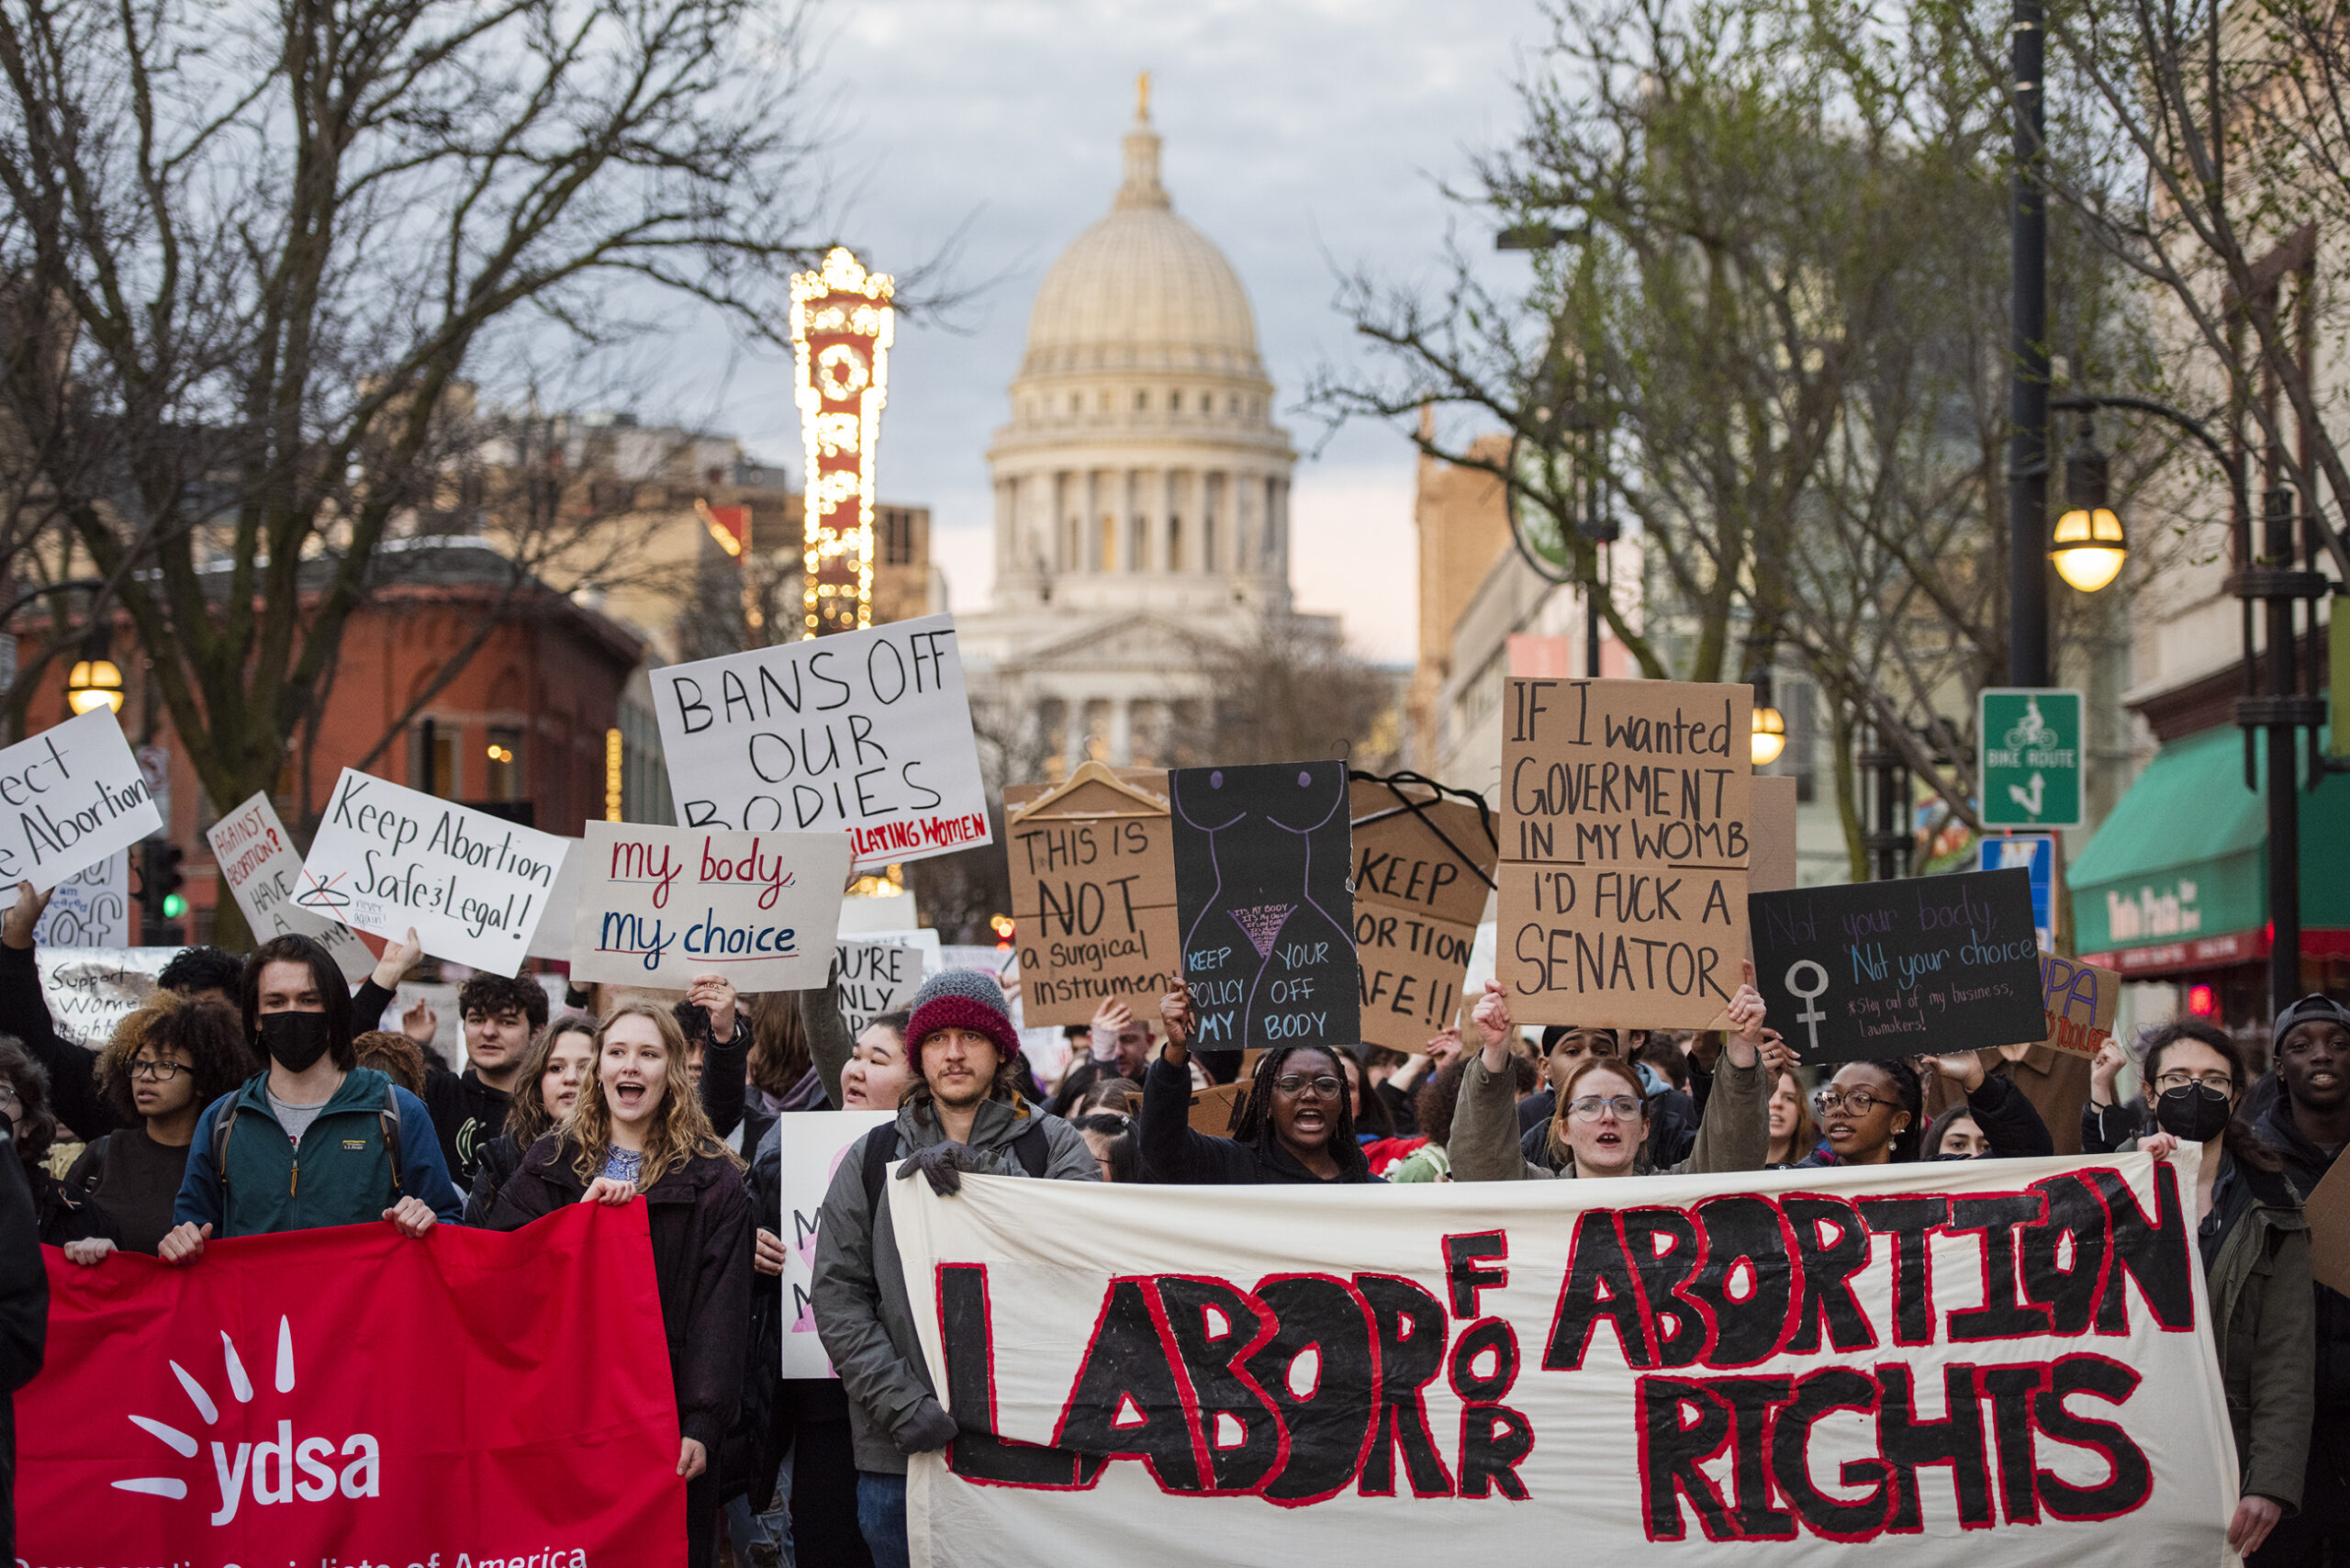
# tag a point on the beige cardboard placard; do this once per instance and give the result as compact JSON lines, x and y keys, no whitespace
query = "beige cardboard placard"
{"x":1092,"y":892}
{"x":1772,"y":837}
{"x":1625,"y":851}
{"x":1422,"y":877}
{"x":1217,"y":1111}
{"x":2328,"y":1208}
{"x":2080,"y":1001}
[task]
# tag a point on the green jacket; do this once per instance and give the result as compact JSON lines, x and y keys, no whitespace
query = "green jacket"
{"x":342,"y":1174}
{"x":2264,"y":1316}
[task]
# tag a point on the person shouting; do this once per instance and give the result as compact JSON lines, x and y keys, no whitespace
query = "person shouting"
{"x":1297,"y":1125}
{"x":1600,"y":1123}
{"x":316,"y":1139}
{"x":167,"y":1060}
{"x":962,"y":1114}
{"x":2255,"y":1254}
{"x":641,"y":1132}
{"x":560,"y":1062}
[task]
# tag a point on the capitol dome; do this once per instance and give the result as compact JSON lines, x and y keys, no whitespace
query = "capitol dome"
{"x":1142,"y":290}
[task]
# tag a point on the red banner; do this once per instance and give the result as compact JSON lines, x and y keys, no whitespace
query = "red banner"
{"x":349,"y":1395}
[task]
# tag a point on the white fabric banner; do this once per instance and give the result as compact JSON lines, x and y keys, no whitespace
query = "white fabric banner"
{"x":73,"y":795}
{"x":1989,"y":1361}
{"x":387,"y":858}
{"x":659,"y":905}
{"x":89,"y":989}
{"x":89,"y":909}
{"x":811,"y":1147}
{"x":867,"y":731}
{"x":264,"y":870}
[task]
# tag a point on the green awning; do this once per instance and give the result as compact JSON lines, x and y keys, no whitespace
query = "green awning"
{"x":2183,"y":855}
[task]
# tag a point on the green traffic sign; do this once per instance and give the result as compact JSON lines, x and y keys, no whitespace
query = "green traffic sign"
{"x":2034,"y":751}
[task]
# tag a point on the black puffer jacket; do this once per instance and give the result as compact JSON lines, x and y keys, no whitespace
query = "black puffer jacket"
{"x":701,"y":1256}
{"x":1173,"y":1153}
{"x":66,"y":1216}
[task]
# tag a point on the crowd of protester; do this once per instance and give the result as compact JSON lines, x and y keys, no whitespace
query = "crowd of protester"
{"x":245,"y":1097}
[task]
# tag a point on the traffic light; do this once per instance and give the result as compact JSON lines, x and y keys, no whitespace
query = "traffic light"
{"x":162,"y":906}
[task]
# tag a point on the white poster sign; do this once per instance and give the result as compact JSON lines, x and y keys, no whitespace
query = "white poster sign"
{"x":70,"y":797}
{"x":659,"y":905}
{"x":89,"y":909}
{"x":877,"y":974}
{"x":866,"y":731}
{"x":387,"y":858}
{"x":262,"y":871}
{"x":811,"y":1149}
{"x":1995,"y":1361}
{"x":89,"y":989}
{"x":552,"y":936}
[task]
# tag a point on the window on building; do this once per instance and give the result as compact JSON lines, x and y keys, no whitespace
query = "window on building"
{"x":504,"y":777}
{"x":1138,"y":544}
{"x":1175,"y":402}
{"x":432,"y":759}
{"x":1232,"y":404}
{"x":1142,"y":401}
{"x":1207,"y":543}
{"x":897,"y":537}
{"x":1174,"y":544}
{"x":1802,"y":714}
{"x":1105,"y":402}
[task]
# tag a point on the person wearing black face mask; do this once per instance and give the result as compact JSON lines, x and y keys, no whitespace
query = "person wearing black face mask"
{"x":2255,"y":1245}
{"x":316,"y":1140}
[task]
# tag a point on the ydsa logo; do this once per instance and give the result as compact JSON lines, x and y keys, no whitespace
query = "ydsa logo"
{"x":281,"y":1469}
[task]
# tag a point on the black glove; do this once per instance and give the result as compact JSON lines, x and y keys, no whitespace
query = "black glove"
{"x":927,"y":1427}
{"x":943,"y":1163}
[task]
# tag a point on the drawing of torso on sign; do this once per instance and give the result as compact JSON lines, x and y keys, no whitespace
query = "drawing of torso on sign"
{"x":1261,"y":860}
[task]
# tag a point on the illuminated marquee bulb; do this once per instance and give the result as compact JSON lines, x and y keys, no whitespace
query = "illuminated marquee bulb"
{"x":842,"y":324}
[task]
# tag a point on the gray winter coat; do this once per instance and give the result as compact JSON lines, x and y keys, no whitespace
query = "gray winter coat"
{"x":862,"y":1313}
{"x":1734,"y":1136}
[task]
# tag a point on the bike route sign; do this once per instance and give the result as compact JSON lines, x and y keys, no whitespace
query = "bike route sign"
{"x":2034,"y":752}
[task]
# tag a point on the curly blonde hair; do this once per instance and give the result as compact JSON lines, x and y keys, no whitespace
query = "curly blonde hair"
{"x":680,"y":1130}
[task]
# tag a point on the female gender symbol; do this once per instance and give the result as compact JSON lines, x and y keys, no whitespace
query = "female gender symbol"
{"x":1810,"y":1016}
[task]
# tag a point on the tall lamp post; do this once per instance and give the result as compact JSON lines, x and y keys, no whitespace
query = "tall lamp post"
{"x":2089,"y":541}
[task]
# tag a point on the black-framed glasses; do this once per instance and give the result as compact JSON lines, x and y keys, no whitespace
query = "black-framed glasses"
{"x":2225,"y":1083}
{"x":160,"y":1072}
{"x":1860,"y":1102}
{"x":1328,"y":1085}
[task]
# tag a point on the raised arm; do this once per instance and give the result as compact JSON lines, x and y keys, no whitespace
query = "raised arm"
{"x":1171,"y":1151}
{"x":829,"y":1041}
{"x":24,"y":1013}
{"x":1485,"y":1146}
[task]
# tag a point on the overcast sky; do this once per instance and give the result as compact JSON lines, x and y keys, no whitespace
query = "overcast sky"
{"x":1303,"y":136}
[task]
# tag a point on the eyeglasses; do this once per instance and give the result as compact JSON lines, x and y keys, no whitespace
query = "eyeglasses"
{"x":1325,"y":1085}
{"x":1589,"y":1107}
{"x":1860,"y":1102}
{"x":2223,"y":1081}
{"x":161,"y":1072}
{"x":8,"y":1095}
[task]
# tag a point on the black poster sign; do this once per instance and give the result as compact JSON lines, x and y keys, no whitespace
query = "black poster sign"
{"x":1920,"y":966}
{"x":1262,"y":858}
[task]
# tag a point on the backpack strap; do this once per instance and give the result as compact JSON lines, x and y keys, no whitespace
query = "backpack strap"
{"x":391,"y":1119}
{"x":224,"y":1122}
{"x":880,"y":1148}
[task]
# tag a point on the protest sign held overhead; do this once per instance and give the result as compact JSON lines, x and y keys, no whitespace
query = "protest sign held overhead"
{"x":869,"y":731}
{"x":1771,"y":833}
{"x":1899,"y":968}
{"x":552,"y":938}
{"x":1092,"y":892}
{"x":263,"y":873}
{"x":89,"y":990}
{"x":877,"y":974}
{"x":321,"y":1367}
{"x":1261,"y":861}
{"x":89,"y":909}
{"x":2078,"y":1001}
{"x":388,"y":858}
{"x":809,"y":1158}
{"x":659,"y":905}
{"x":1973,"y":1362}
{"x":1625,"y":844}
{"x":70,"y":797}
{"x":1423,"y":868}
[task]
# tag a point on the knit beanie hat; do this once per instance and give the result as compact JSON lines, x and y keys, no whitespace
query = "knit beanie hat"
{"x":2309,"y":1010}
{"x":962,"y":999}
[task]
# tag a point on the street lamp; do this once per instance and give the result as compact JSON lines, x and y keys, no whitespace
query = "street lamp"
{"x":95,"y":682}
{"x":2090,"y":545}
{"x":1770,"y":729}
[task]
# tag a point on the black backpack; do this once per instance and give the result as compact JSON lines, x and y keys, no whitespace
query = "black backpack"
{"x":225,"y":1122}
{"x":1028,"y":1147}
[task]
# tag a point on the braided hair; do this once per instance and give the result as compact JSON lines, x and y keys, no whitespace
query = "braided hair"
{"x":1256,"y":1129}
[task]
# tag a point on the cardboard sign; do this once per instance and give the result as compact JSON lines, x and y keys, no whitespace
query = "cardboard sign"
{"x":70,"y":797}
{"x":2078,"y":1001}
{"x":2328,"y":1208}
{"x":1770,"y":834}
{"x":1262,"y":858}
{"x":387,"y":858}
{"x":1423,"y":868}
{"x":810,"y":1154}
{"x":873,"y":975}
{"x":659,"y":905}
{"x":1092,"y":892}
{"x":1217,"y":1109}
{"x":89,"y":909}
{"x":263,"y":873}
{"x":867,"y":731}
{"x":1908,"y":967}
{"x":551,"y":938}
{"x":1625,"y":847}
{"x":88,"y":990}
